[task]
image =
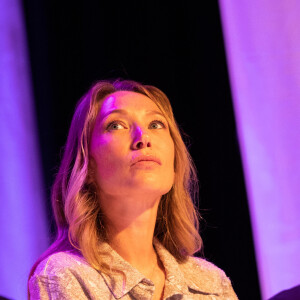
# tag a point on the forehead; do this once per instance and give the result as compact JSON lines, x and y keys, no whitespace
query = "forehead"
{"x":127,"y":100}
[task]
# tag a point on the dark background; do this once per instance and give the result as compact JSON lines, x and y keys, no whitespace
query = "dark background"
{"x":179,"y":48}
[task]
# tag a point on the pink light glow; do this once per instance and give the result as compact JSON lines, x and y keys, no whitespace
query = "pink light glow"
{"x":23,"y":234}
{"x":263,"y":52}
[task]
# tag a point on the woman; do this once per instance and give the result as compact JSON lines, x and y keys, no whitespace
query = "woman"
{"x":122,"y":200}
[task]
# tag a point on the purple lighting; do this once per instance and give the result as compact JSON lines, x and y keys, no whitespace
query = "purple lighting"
{"x":23,"y":234}
{"x":263,"y":52}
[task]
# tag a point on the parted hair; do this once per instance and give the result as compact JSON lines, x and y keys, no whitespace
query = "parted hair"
{"x":75,"y":201}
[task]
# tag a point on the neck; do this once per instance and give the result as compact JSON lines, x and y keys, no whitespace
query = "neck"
{"x":130,"y":225}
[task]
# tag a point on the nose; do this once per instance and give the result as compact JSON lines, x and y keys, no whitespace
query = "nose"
{"x":141,"y":139}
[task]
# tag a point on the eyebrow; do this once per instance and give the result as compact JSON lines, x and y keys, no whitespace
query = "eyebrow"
{"x":114,"y":111}
{"x":124,"y":112}
{"x":155,"y":112}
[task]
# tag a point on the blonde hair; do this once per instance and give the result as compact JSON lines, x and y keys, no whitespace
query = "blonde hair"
{"x":74,"y":194}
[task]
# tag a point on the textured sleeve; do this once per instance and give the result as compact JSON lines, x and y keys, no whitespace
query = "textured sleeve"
{"x":210,"y":279}
{"x":228,"y":292}
{"x":55,"y":287}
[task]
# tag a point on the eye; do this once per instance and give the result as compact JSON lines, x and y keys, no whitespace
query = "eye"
{"x":115,"y":125}
{"x":157,"y":124}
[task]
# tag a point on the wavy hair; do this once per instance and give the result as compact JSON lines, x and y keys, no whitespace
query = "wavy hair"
{"x":74,"y":196}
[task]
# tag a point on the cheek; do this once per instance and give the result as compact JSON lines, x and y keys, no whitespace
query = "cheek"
{"x":169,"y":151}
{"x":106,"y":154}
{"x":172,"y":165}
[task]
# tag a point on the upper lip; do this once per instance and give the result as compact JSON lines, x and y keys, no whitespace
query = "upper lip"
{"x":145,"y":158}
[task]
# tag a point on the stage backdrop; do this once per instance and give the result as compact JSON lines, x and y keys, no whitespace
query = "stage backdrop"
{"x":178,"y":48}
{"x":23,"y":235}
{"x":263,"y":52}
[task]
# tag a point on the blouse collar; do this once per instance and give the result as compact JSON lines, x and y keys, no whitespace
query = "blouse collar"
{"x":121,"y":283}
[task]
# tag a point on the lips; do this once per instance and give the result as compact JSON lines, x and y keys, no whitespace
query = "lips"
{"x":141,"y":158}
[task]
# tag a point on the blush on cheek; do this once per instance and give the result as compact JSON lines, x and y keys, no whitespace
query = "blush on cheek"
{"x":99,"y":142}
{"x":102,"y":156}
{"x":107,"y":168}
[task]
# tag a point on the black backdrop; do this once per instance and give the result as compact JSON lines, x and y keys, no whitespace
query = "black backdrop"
{"x":178,"y":48}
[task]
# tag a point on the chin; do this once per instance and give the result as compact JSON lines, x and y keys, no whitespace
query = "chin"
{"x":156,"y":187}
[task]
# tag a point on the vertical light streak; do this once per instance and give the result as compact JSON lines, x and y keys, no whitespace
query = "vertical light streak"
{"x":23,"y":233}
{"x":262,"y":40}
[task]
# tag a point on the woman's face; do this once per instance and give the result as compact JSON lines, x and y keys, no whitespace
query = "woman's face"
{"x":131,"y":147}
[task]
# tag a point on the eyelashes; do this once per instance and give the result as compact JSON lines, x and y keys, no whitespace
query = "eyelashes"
{"x":160,"y":123}
{"x":118,"y":125}
{"x":115,"y":125}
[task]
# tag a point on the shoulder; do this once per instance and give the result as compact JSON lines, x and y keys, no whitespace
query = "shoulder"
{"x":204,"y":274}
{"x":59,"y":262}
{"x":203,"y":266}
{"x":66,"y":275}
